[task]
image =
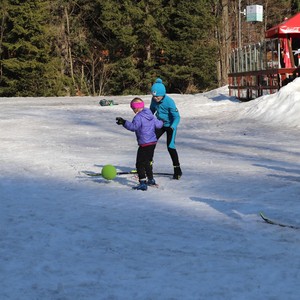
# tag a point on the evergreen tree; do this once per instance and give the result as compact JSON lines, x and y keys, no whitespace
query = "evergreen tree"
{"x":98,"y":47}
{"x":67,"y":44}
{"x":191,"y":49}
{"x":173,"y":42}
{"x":121,"y":29}
{"x":170,"y":39}
{"x":120,"y":39}
{"x":25,"y":50}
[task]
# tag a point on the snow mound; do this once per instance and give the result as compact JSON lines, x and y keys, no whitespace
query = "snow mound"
{"x":282,"y":108}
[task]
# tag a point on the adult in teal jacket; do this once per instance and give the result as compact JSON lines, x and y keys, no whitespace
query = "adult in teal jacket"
{"x":165,"y":109}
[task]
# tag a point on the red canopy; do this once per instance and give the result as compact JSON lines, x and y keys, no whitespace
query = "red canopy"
{"x":290,"y":26}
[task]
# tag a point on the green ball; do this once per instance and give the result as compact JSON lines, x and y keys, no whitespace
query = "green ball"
{"x":109,"y":172}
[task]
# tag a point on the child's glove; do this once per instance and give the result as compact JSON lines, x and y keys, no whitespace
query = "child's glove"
{"x":120,"y":121}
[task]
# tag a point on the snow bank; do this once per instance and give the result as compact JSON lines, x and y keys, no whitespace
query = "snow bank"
{"x":281,"y":108}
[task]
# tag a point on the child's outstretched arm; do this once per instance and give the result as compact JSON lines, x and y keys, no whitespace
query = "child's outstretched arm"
{"x":134,"y":125}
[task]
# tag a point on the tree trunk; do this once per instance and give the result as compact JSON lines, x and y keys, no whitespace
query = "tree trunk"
{"x":223,"y":36}
{"x":70,"y":48}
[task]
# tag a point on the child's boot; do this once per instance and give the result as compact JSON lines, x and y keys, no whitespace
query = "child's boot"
{"x":151,"y":182}
{"x":177,"y":172}
{"x":142,"y":186}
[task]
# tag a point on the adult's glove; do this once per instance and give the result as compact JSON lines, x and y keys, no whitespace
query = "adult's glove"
{"x":120,"y":121}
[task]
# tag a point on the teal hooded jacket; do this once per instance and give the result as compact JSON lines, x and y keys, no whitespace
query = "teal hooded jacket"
{"x":166,"y":111}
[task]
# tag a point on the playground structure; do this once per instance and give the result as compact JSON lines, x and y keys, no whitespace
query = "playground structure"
{"x":263,"y":68}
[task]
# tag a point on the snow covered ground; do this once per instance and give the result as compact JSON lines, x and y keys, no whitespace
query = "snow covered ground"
{"x":65,"y":235}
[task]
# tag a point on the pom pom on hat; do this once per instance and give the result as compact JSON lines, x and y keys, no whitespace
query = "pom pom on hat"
{"x":158,"y":88}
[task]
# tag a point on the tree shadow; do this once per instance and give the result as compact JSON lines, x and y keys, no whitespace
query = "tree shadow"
{"x":295,"y":177}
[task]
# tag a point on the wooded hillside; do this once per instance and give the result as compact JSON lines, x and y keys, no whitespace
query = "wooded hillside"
{"x":110,"y":47}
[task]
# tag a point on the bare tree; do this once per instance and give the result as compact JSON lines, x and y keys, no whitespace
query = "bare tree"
{"x":223,"y":37}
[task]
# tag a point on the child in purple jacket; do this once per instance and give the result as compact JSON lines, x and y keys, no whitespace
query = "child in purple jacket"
{"x":144,"y":125}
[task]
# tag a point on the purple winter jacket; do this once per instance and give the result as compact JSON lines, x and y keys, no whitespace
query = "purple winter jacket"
{"x":144,"y":124}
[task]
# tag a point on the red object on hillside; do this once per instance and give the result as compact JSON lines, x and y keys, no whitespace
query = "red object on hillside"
{"x":289,"y":27}
{"x":286,"y":54}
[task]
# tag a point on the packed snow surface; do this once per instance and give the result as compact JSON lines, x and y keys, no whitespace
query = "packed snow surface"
{"x":68,"y":236}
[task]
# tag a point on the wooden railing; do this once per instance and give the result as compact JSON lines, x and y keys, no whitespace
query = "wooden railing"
{"x":258,"y":69}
